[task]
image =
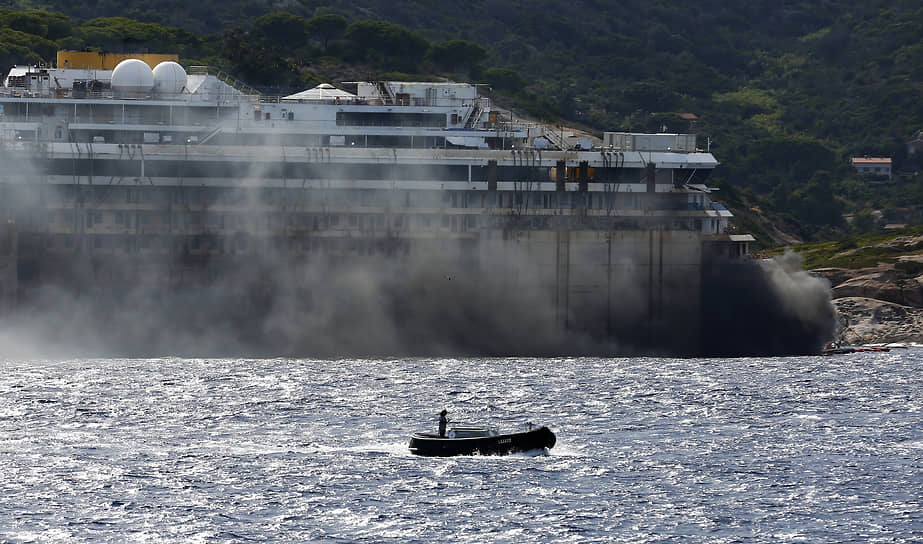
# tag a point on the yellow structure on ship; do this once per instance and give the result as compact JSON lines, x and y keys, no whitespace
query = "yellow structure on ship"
{"x":91,"y":60}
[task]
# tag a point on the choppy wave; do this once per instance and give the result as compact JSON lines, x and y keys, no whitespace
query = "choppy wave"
{"x":649,"y":450}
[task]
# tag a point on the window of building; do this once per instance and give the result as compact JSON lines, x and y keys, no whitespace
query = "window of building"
{"x":94,"y":218}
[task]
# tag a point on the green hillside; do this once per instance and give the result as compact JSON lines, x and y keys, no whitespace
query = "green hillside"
{"x":865,"y":251}
{"x":783,"y":92}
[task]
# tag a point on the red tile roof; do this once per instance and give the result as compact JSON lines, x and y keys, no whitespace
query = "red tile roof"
{"x":871,"y":160}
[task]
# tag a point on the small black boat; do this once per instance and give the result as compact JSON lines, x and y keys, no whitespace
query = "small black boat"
{"x":480,"y":441}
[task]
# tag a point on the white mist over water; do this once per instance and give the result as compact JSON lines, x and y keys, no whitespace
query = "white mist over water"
{"x":809,"y":449}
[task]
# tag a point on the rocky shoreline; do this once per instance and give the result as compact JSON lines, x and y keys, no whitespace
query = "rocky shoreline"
{"x":877,"y":305}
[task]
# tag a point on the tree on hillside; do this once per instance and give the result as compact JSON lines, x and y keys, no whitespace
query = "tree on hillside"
{"x":651,"y":96}
{"x":504,"y":79}
{"x":454,"y":55}
{"x":233,"y":47}
{"x":255,"y":64}
{"x":122,"y":35}
{"x":280,"y":29}
{"x":26,"y":37}
{"x":326,"y":27}
{"x":390,"y":46}
{"x":51,"y":26}
{"x":44,"y":49}
{"x":11,"y":54}
{"x":789,"y":160}
{"x":815,"y":202}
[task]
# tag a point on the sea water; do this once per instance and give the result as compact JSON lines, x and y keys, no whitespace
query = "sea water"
{"x":808,"y":449}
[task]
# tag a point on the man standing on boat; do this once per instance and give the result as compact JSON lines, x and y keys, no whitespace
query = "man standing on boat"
{"x":443,"y":421}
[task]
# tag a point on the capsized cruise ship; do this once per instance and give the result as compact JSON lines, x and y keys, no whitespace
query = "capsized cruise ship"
{"x":179,"y":209}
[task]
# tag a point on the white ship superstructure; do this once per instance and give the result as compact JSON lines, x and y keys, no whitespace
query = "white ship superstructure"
{"x":174,"y":179}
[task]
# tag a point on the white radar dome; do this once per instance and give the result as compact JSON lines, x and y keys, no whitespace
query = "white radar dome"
{"x":169,"y":78}
{"x":132,"y":78}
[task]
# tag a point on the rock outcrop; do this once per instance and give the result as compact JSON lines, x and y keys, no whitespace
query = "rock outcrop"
{"x":872,"y":321}
{"x":877,"y":305}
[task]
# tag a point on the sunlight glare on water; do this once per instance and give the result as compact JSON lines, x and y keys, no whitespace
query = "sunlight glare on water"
{"x":805,"y":449}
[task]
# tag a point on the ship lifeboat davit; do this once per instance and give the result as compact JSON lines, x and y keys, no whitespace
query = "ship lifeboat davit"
{"x":132,"y":78}
{"x":169,"y":79}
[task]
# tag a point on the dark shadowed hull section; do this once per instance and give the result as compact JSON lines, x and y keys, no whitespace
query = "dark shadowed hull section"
{"x":430,"y":445}
{"x":763,"y":308}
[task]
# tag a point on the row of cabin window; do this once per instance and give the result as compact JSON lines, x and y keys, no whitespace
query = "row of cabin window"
{"x":270,"y":221}
{"x":535,"y":201}
{"x":346,"y":197}
{"x":372,"y":223}
{"x":96,"y":113}
{"x":127,"y":244}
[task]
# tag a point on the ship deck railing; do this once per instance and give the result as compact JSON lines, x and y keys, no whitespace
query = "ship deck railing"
{"x":366,"y":101}
{"x":16,"y":92}
{"x":220,"y":98}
